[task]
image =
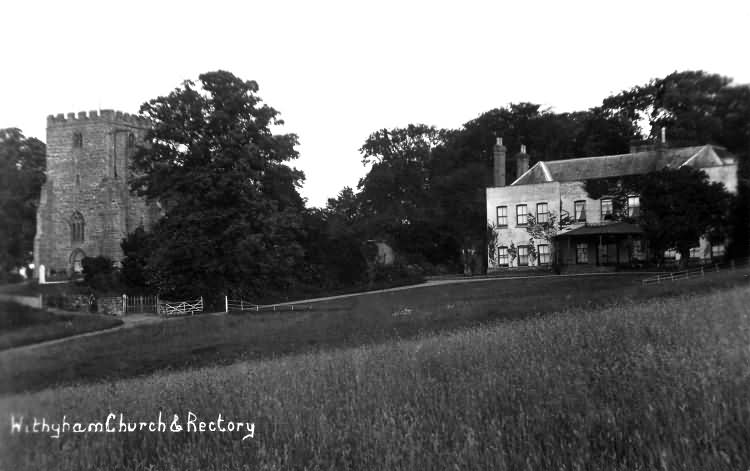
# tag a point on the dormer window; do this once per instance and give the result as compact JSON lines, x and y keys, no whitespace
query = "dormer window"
{"x":77,"y":140}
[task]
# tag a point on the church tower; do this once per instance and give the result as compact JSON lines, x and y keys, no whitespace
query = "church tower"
{"x":86,"y":207}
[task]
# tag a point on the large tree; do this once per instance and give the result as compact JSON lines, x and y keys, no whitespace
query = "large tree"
{"x":695,"y":107}
{"x":22,"y":163}
{"x":233,"y":213}
{"x":396,"y":196}
{"x":677,"y":207}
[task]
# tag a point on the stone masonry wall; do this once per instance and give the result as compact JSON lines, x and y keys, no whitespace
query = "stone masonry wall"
{"x":92,"y":179}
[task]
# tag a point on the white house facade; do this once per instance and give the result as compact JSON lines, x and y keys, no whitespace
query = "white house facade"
{"x":552,"y":190}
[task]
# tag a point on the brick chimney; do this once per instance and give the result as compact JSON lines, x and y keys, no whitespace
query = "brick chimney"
{"x":522,"y":162}
{"x":499,"y":163}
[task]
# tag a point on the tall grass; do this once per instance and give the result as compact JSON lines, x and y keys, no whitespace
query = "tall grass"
{"x":662,"y":385}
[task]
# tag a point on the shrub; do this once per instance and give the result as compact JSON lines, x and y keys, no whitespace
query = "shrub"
{"x":99,"y":274}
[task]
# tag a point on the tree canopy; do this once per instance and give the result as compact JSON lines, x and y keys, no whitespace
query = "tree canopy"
{"x":678,"y":206}
{"x":233,"y":212}
{"x":22,"y":164}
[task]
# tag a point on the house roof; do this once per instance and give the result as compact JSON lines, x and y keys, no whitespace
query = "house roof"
{"x":614,"y":228}
{"x":636,"y":163}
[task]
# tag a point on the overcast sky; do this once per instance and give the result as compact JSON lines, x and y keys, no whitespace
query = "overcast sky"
{"x":338,"y":71}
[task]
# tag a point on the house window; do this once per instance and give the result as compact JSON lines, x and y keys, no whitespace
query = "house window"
{"x":695,"y":252}
{"x":542,"y":213}
{"x":634,"y":206}
{"x":523,"y":255}
{"x":502,"y":216}
{"x":579,"y":211}
{"x":521,"y":215}
{"x":77,"y":140}
{"x":77,"y":227}
{"x":670,"y":254}
{"x":544,"y":257}
{"x":582,"y":253}
{"x":606,"y":209}
{"x":502,"y":256}
{"x":717,"y":250}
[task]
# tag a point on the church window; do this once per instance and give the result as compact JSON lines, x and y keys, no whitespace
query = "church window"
{"x":77,"y":140}
{"x":77,"y":225}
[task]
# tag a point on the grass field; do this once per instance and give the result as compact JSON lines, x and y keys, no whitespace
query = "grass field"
{"x":374,"y":318}
{"x":660,"y":384}
{"x":23,"y":325}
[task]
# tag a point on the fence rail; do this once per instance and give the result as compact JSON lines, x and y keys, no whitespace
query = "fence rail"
{"x":180,"y":308}
{"x":698,"y":271}
{"x":681,"y":275}
{"x":242,"y":305}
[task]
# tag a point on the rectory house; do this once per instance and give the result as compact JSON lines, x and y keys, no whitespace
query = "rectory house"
{"x":552,"y":190}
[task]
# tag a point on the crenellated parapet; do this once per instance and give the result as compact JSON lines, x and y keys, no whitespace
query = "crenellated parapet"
{"x":97,"y":116}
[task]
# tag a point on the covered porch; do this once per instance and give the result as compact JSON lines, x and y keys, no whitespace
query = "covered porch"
{"x":608,"y":244}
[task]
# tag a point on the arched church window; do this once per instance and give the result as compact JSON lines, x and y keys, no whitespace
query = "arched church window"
{"x":131,"y":140}
{"x":77,"y":140}
{"x":77,"y":226}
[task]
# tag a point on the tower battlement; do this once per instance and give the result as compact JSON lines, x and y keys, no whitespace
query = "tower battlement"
{"x":96,"y":115}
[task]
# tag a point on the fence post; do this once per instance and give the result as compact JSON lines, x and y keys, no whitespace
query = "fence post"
{"x":201,"y":304}
{"x":124,"y":304}
{"x":226,"y":303}
{"x":702,"y":273}
{"x":242,"y":305}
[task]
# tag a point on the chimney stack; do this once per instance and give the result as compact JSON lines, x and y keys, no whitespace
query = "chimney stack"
{"x":499,"y":163}
{"x":522,"y":162}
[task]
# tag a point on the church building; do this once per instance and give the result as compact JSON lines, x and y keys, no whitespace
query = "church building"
{"x":86,"y":207}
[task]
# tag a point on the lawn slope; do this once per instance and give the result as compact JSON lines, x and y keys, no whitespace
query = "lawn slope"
{"x":368,"y":319}
{"x":23,"y":325}
{"x":660,"y":384}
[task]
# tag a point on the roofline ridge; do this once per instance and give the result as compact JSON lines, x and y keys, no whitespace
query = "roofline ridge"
{"x":630,"y":153}
{"x":525,"y":173}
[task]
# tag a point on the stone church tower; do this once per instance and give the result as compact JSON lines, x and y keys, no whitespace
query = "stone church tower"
{"x":86,"y":208}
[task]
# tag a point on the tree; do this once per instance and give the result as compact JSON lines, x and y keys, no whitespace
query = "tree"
{"x":136,"y":248}
{"x":678,"y":206}
{"x":696,"y":108}
{"x":233,"y":216}
{"x":396,"y":194}
{"x":22,"y":164}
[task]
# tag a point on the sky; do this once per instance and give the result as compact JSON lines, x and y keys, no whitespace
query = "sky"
{"x":338,"y":71}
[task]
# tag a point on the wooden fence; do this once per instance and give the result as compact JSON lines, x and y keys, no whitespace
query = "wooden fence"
{"x":180,"y":308}
{"x":239,"y":305}
{"x":698,"y":271}
{"x":681,"y":275}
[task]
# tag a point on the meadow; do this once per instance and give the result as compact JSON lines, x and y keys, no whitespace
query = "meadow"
{"x":23,"y":325}
{"x":656,"y":384}
{"x":373,"y":318}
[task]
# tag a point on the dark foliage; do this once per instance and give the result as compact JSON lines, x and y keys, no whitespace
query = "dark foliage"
{"x":100,"y":275}
{"x":22,"y":164}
